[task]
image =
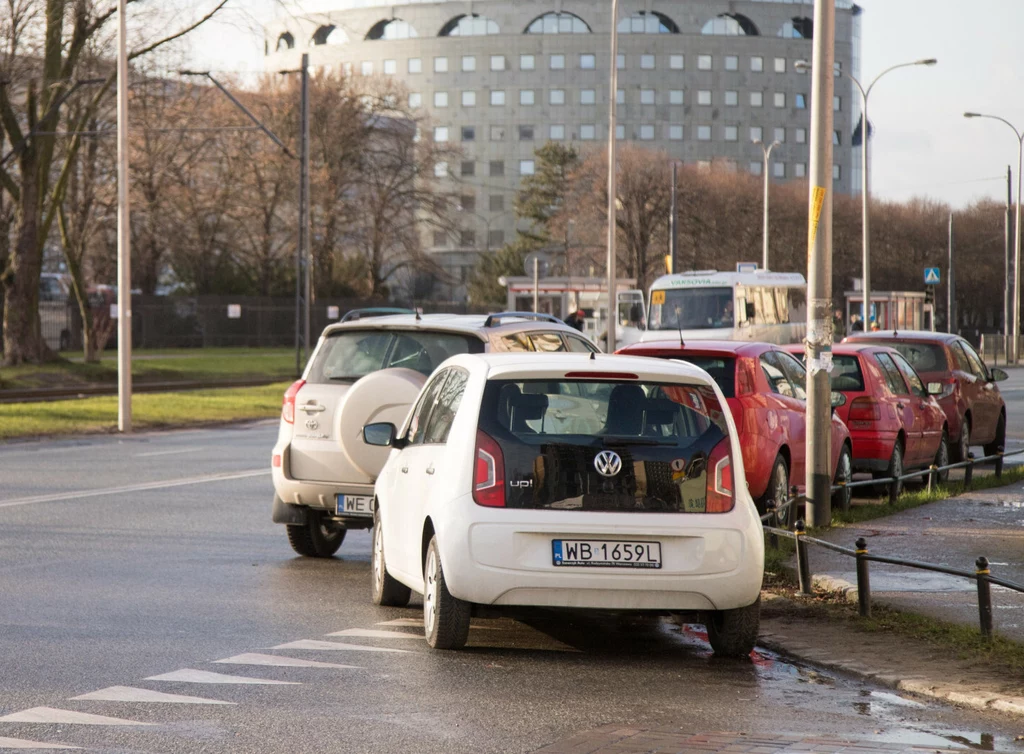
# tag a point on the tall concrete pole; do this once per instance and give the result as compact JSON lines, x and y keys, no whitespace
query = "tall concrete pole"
{"x":818,"y":348}
{"x":767,"y":152}
{"x":305,"y":248}
{"x":124,"y":240}
{"x":1006,"y":247}
{"x":673,"y":224}
{"x":613,"y":93}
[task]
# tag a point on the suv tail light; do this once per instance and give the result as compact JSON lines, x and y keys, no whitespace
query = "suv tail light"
{"x":864,"y":409}
{"x":721,"y":491}
{"x":488,"y":472}
{"x":288,"y":406}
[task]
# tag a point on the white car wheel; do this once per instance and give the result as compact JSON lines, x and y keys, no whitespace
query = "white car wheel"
{"x":445,"y":618}
{"x":384,"y":589}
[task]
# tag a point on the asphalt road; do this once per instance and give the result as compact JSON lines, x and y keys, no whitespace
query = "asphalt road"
{"x":123,"y":560}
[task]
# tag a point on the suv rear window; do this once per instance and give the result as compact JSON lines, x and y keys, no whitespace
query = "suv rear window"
{"x":924,"y":357}
{"x":349,"y":355}
{"x":551,"y":432}
{"x":722,"y":370}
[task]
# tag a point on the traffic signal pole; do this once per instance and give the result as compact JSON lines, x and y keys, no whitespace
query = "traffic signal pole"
{"x":818,"y":347}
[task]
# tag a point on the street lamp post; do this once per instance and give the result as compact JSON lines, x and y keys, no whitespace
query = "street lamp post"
{"x":767,"y":151}
{"x":1012,"y":353}
{"x":613,"y":91}
{"x":865,"y":185}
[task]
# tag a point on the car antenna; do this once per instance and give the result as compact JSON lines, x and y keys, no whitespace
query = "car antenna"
{"x":679,"y":327}
{"x":593,"y":355}
{"x":417,"y":312}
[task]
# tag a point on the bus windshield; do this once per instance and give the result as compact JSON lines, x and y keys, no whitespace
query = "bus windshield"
{"x":692,"y":309}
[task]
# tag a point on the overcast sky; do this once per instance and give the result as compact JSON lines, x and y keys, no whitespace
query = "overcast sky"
{"x":922,"y":145}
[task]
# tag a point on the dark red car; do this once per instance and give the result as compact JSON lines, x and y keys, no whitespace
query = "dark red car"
{"x":967,"y":392}
{"x":895,"y":425}
{"x":765,"y":389}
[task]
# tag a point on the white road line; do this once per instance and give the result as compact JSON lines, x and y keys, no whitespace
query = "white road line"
{"x":188,"y":675}
{"x":20,"y":743}
{"x":369,"y":633}
{"x":155,"y":453}
{"x":53,"y":716}
{"x":252,"y":658}
{"x":412,"y":622}
{"x":160,"y":485}
{"x":335,"y":645}
{"x":129,"y":694}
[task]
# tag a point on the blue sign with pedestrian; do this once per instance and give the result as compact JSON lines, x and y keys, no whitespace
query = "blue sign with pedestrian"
{"x":932,"y":276}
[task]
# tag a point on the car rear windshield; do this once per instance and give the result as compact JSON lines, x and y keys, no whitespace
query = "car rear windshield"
{"x":924,"y":357}
{"x":551,"y":433}
{"x":721,"y":369}
{"x":846,"y":374}
{"x":350,"y":354}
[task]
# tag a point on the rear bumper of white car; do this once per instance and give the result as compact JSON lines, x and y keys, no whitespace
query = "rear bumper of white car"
{"x":505,"y":557}
{"x":313,"y":494}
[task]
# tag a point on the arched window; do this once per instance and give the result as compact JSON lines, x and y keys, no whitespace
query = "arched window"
{"x":330,"y":35}
{"x":393,"y":28}
{"x":798,"y":28}
{"x":285,"y":42}
{"x":471,"y":25}
{"x":558,"y":23}
{"x":643,"y":22}
{"x":731,"y":25}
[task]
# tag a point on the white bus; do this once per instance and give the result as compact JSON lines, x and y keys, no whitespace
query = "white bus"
{"x":709,"y":305}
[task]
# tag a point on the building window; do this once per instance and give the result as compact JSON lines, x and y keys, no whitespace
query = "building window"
{"x":646,"y":96}
{"x":756,"y":99}
{"x":756,"y":133}
{"x":526,"y":167}
{"x":469,"y":99}
{"x":675,"y":133}
{"x":799,"y":27}
{"x":497,"y":62}
{"x":731,"y":133}
{"x":647,"y":62}
{"x":837,"y":104}
{"x":558,"y":23}
{"x":836,"y":140}
{"x":780,"y":135}
{"x":620,"y":96}
{"x":497,"y":133}
{"x":526,"y":133}
{"x":647,"y":133}
{"x":469,"y":25}
{"x":837,"y":172}
{"x":675,"y":62}
{"x":467,"y":203}
{"x":440,"y":239}
{"x":588,"y":61}
{"x":779,"y":169}
{"x":497,"y":168}
{"x":704,"y":133}
{"x":468,"y":238}
{"x":440,"y":169}
{"x":556,"y":97}
{"x":468,"y":168}
{"x":469,"y":63}
{"x":732,"y":63}
{"x":801,"y":136}
{"x":366,"y":68}
{"x":620,"y":62}
{"x":390,"y":67}
{"x":495,"y":238}
{"x":415,"y":65}
{"x":496,"y":203}
{"x":469,"y":133}
{"x":755,"y":167}
{"x":800,"y":169}
{"x":393,"y":28}
{"x":556,"y":132}
{"x":440,"y":99}
{"x":801,"y":101}
{"x":703,"y":96}
{"x":440,"y":133}
{"x":780,"y":65}
{"x":757,"y":64}
{"x":415,"y":100}
{"x":588,"y":132}
{"x":441,"y":65}
{"x":780,"y":99}
{"x":526,"y":97}
{"x":497,"y":97}
{"x":675,"y":96}
{"x":730,"y":25}
{"x":732,"y":99}
{"x":557,"y":62}
{"x":644,"y":22}
{"x":703,"y":62}
{"x":620,"y":133}
{"x":588,"y":96}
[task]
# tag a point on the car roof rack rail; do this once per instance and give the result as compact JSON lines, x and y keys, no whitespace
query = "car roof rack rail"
{"x":374,"y":311}
{"x":493,"y":320}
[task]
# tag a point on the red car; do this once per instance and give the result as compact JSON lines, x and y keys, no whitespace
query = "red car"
{"x":967,"y":392}
{"x":765,"y":389}
{"x":895,"y":425}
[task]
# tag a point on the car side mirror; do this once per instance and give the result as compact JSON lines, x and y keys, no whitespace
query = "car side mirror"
{"x":998,"y":375}
{"x":381,"y":435}
{"x":934,"y":388}
{"x":838,"y":399}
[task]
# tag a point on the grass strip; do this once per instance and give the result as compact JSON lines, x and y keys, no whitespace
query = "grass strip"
{"x":149,"y":411}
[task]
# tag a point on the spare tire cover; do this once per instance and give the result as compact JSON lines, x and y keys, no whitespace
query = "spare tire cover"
{"x":384,"y":396}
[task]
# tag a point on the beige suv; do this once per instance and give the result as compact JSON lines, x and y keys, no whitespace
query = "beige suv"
{"x":369,"y":371}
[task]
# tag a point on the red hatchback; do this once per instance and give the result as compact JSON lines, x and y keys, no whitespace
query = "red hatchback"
{"x":967,"y":392}
{"x":895,"y":425}
{"x":765,"y":389}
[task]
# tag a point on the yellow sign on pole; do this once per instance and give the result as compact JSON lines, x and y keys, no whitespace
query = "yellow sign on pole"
{"x":818,"y":195}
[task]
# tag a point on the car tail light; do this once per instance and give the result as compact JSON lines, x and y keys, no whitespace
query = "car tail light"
{"x":276,"y":461}
{"x":865,"y":409}
{"x":288,"y":406}
{"x":488,"y":472}
{"x":745,"y":381}
{"x":720,"y":488}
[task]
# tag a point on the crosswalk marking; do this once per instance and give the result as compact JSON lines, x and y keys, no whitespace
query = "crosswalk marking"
{"x":129,"y":694}
{"x":334,"y":645}
{"x":189,"y":675}
{"x":54,"y":716}
{"x":252,"y":658}
{"x":19,"y":743}
{"x":369,"y":633}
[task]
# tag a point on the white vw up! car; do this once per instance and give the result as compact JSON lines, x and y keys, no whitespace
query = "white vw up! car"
{"x":575,"y":481}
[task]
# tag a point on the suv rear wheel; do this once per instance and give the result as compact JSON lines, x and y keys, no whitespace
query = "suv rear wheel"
{"x":319,"y":537}
{"x":733,"y":633}
{"x":445,"y":618}
{"x":384,"y":589}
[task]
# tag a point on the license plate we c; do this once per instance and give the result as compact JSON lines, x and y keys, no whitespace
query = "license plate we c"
{"x":354,"y":505}
{"x":605,"y":553}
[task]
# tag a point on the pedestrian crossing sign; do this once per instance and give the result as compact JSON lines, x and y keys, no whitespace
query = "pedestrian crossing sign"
{"x":931,"y":276}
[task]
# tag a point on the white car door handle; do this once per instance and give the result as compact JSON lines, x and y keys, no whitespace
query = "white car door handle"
{"x":430,"y":469}
{"x":312,"y":408}
{"x":405,"y":469}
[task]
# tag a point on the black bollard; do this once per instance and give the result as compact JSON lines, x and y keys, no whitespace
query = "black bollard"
{"x":999,"y":462}
{"x":969,"y":471}
{"x":984,"y":597}
{"x":773,"y":521}
{"x":803,"y":566}
{"x":863,"y":579}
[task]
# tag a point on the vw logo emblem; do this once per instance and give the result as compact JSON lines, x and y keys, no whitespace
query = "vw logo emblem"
{"x":312,"y":424}
{"x":608,"y":463}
